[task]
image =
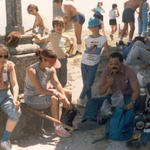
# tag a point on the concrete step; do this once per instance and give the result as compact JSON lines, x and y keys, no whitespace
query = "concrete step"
{"x":25,"y":39}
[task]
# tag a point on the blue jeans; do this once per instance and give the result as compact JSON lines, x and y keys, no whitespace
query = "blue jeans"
{"x":6,"y":104}
{"x":88,"y":77}
{"x":93,"y":106}
{"x":143,"y":27}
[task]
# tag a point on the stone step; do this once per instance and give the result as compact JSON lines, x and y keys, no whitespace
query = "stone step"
{"x":25,"y":39}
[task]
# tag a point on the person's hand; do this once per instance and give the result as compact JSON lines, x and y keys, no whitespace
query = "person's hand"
{"x":67,"y":104}
{"x":129,"y":106}
{"x":67,"y":55}
{"x":16,"y":104}
{"x":110,"y":80}
{"x":64,"y":100}
{"x":34,"y":35}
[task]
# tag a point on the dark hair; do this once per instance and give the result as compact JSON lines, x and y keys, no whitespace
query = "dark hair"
{"x":57,"y":20}
{"x":100,"y":3}
{"x":114,"y":6}
{"x":57,"y":1}
{"x":32,"y":6}
{"x":117,"y":55}
{"x":46,"y":52}
{"x":4,"y":49}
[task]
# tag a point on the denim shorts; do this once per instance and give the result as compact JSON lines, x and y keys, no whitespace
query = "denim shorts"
{"x":6,"y":104}
{"x":128,"y":15}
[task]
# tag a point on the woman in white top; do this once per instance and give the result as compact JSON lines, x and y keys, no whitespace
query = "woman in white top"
{"x":112,"y":19}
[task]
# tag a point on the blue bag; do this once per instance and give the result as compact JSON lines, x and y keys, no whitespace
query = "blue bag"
{"x":120,"y":125}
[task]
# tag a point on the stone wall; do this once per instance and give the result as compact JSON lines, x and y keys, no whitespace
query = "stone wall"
{"x":21,"y":63}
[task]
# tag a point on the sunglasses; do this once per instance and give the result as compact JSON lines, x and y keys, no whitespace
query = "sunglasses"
{"x":4,"y":56}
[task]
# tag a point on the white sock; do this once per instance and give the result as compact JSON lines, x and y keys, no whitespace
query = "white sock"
{"x":79,"y":47}
{"x":57,"y":127}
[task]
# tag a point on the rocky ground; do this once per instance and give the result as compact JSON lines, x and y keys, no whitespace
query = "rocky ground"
{"x":79,"y":140}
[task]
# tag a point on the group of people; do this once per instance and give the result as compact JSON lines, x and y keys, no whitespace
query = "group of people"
{"x":45,"y":80}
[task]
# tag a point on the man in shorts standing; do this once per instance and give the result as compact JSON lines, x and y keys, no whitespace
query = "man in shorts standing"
{"x":128,"y":17}
{"x":75,"y":17}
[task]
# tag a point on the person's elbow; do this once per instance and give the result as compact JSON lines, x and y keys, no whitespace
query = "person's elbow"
{"x":15,"y":87}
{"x":136,"y":92}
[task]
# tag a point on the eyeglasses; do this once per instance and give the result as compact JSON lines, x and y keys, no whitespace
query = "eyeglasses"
{"x":4,"y":56}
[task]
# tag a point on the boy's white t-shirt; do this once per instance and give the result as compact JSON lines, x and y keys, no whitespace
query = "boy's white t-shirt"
{"x":112,"y":14}
{"x":90,"y":57}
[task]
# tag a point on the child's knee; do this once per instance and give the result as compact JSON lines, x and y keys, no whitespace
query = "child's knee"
{"x":14,"y":115}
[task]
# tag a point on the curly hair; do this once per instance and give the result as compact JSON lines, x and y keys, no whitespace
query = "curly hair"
{"x":4,"y":49}
{"x":32,"y":6}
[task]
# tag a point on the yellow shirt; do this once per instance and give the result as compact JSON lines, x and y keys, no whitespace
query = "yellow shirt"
{"x":60,"y":42}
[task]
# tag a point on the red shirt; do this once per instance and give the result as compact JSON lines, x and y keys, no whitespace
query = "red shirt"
{"x":123,"y":80}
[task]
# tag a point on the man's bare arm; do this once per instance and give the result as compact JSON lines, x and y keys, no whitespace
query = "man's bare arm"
{"x":140,"y":11}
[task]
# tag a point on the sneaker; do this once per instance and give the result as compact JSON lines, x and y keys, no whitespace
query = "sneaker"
{"x":6,"y":145}
{"x":60,"y":131}
{"x":88,"y":124}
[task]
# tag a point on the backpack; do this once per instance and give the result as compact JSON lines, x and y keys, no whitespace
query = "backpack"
{"x":120,"y":125}
{"x":12,"y":39}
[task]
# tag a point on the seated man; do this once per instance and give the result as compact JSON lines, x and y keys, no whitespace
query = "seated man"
{"x":39,"y":94}
{"x":116,"y":76}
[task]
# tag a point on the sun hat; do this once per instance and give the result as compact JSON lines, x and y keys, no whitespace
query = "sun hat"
{"x":93,"y":21}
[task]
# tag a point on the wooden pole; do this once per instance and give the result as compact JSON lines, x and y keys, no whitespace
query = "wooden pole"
{"x":46,"y":116}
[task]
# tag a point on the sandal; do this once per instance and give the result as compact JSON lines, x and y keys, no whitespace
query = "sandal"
{"x":60,"y":131}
